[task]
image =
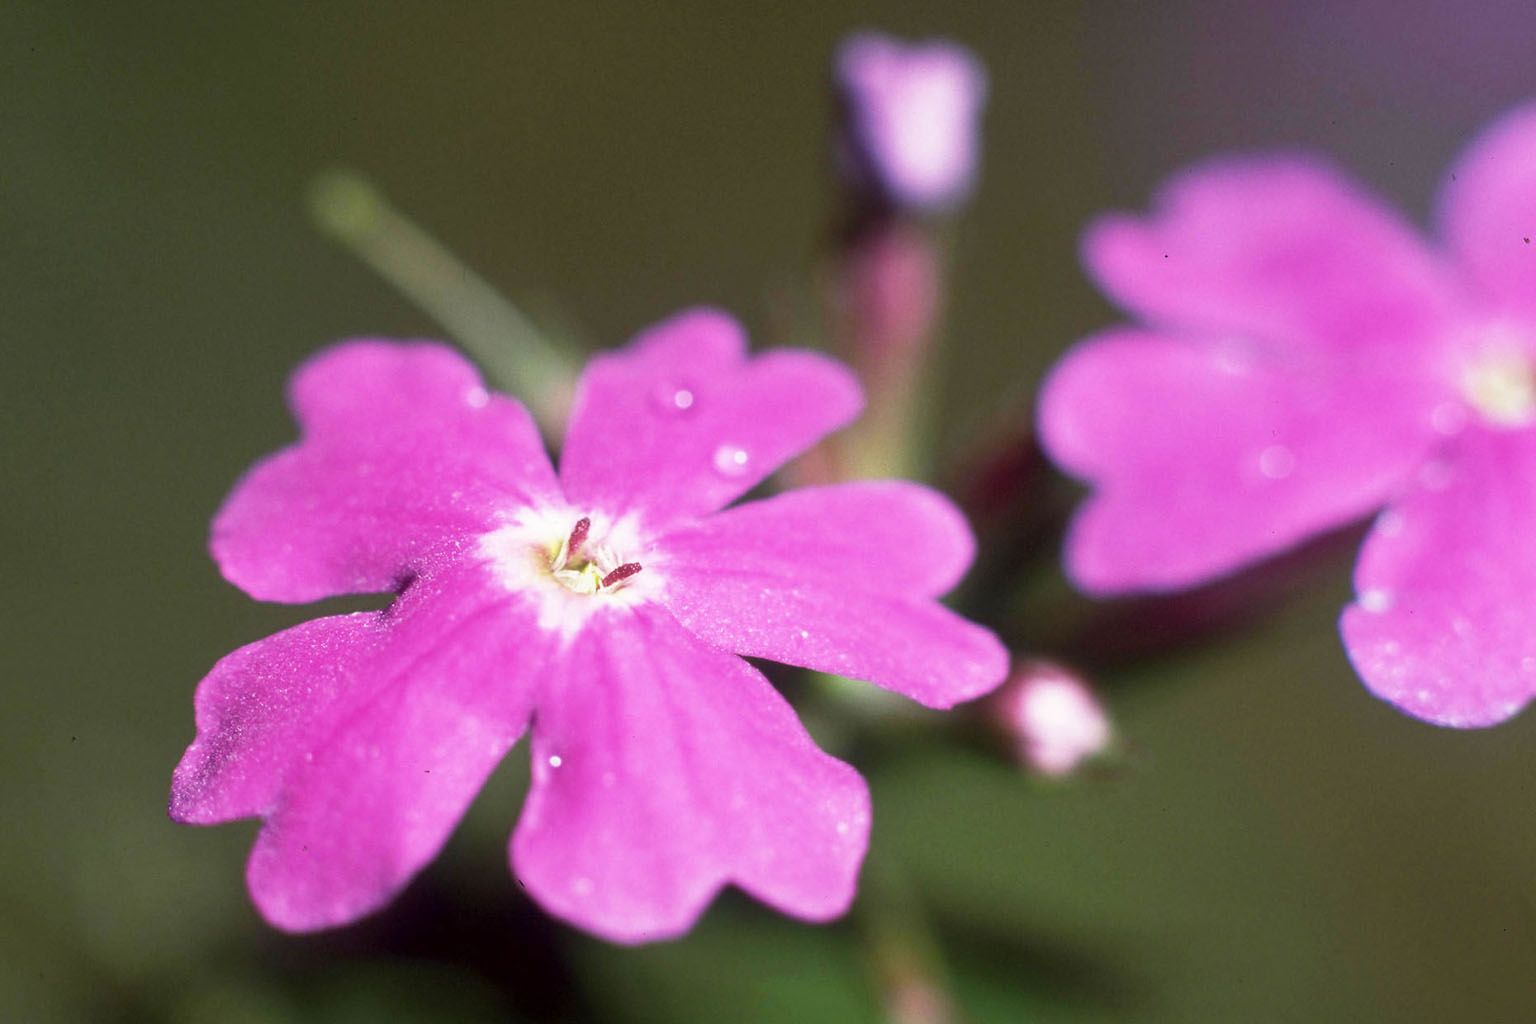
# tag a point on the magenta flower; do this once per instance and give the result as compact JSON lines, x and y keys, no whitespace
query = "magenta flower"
{"x":1306,"y":360}
{"x":911,"y":118}
{"x":608,"y":605}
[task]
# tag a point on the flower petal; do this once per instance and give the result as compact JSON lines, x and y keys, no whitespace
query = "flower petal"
{"x":666,"y":769}
{"x":1488,"y":211}
{"x":361,"y":739}
{"x":260,"y":706}
{"x":403,"y":453}
{"x":883,"y":536}
{"x":838,"y":579}
{"x":1444,"y":626}
{"x":1203,"y":462}
{"x":681,"y":422}
{"x":1279,"y":249}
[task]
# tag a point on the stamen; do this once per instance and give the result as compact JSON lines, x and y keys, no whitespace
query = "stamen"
{"x":578,"y":537}
{"x":620,"y":574}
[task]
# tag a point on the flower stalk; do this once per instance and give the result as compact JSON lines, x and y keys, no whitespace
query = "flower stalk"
{"x":515,"y":352}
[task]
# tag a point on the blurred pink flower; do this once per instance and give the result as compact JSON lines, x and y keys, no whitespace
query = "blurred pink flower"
{"x":1053,"y":718}
{"x":608,"y":605}
{"x":912,"y":117}
{"x":1305,"y":359}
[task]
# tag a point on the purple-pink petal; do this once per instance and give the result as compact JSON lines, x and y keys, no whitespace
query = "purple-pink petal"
{"x":666,"y":769}
{"x":1444,"y":622}
{"x":1488,"y":214}
{"x":1205,"y":457}
{"x":839,"y":579}
{"x":1279,"y":251}
{"x":888,"y":536}
{"x":263,"y":703}
{"x":361,"y":739}
{"x":403,"y":452}
{"x":682,"y":422}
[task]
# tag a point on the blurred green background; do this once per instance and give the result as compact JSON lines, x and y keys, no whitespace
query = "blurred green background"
{"x":1283,"y":848}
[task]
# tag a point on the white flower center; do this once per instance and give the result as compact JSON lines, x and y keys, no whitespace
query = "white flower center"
{"x":1501,"y":386}
{"x":572,"y":566}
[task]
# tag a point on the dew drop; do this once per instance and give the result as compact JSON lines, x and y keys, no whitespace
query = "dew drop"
{"x":1448,"y":418}
{"x":555,"y":761}
{"x":1376,"y":599}
{"x":672,"y":397}
{"x":1435,"y":475}
{"x":1234,"y":356}
{"x":1276,"y":462}
{"x":731,"y":460}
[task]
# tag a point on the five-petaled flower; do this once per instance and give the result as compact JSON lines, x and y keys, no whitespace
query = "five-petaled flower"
{"x":1307,"y":359}
{"x":608,"y":605}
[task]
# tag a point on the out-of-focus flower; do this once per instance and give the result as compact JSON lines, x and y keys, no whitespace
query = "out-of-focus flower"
{"x":1306,"y":359}
{"x":911,"y":119}
{"x":609,"y":604}
{"x":1053,"y":719}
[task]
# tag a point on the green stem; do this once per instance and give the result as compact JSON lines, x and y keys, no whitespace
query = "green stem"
{"x":904,"y":953}
{"x":514,"y":352}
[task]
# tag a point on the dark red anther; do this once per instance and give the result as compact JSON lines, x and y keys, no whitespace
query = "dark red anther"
{"x":620,"y":574}
{"x":578,"y":537}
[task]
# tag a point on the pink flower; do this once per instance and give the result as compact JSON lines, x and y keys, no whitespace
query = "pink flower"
{"x":1307,"y":359}
{"x":911,"y":118}
{"x":607,"y":604}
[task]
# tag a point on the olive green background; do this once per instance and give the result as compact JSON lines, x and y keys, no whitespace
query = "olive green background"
{"x":1282,"y":848}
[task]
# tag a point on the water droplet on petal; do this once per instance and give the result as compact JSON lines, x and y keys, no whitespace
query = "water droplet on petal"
{"x":1276,"y":462}
{"x":1376,"y":599}
{"x":731,"y":460}
{"x":1435,"y":475}
{"x":555,"y":761}
{"x":673,"y":397}
{"x":1234,"y":356}
{"x":1448,"y":418}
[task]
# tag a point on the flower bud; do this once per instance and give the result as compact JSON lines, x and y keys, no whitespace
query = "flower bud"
{"x":1053,"y":718}
{"x":911,"y":116}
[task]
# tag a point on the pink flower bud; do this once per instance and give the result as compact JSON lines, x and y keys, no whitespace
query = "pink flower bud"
{"x":911,"y":119}
{"x":1053,"y":717}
